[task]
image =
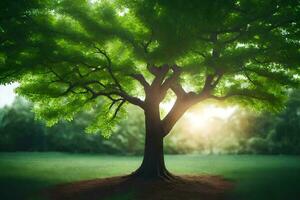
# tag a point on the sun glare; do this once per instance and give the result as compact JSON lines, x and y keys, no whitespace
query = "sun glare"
{"x":7,"y":94}
{"x":200,"y":119}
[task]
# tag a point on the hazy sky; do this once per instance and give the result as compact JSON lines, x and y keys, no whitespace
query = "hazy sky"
{"x":7,"y":94}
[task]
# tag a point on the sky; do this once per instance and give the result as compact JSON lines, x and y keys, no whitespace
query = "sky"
{"x":7,"y":94}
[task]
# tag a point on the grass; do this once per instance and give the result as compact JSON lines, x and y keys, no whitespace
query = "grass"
{"x":257,"y":177}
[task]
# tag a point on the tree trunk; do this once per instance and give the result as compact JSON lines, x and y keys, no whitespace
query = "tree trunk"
{"x":153,"y":165}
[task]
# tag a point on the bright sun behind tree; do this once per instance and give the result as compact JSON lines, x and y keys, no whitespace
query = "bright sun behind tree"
{"x":200,"y":118}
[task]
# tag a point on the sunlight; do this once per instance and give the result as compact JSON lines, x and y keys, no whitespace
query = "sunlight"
{"x":220,"y":112}
{"x":195,"y":121}
{"x":198,"y":119}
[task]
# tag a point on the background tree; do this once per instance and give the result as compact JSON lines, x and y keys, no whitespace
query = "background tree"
{"x":18,"y":130}
{"x":243,"y":132}
{"x":287,"y":130}
{"x":80,"y":54}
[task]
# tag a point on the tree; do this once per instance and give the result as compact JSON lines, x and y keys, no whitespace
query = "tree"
{"x":287,"y":130}
{"x":18,"y":129}
{"x":104,"y":55}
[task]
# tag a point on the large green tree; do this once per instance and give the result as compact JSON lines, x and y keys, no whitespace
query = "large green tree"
{"x":80,"y":55}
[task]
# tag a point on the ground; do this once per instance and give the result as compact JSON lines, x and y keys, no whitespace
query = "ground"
{"x":127,"y":188}
{"x":256,"y":177}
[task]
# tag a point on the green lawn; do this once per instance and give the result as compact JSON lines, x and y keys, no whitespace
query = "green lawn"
{"x":256,"y":177}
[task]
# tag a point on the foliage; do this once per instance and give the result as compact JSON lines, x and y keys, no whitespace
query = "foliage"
{"x":15,"y":31}
{"x":74,"y":56}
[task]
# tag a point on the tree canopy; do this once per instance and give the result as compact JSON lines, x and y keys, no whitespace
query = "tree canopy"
{"x":79,"y":55}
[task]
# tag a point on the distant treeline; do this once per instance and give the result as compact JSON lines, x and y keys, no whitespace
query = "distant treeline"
{"x":244,"y":132}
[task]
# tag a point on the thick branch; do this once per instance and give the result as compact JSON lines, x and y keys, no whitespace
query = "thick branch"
{"x":133,"y":100}
{"x":185,"y":100}
{"x":173,"y":78}
{"x":95,"y":94}
{"x":159,"y":73}
{"x":208,"y":83}
{"x":178,"y":90}
{"x":141,"y":79}
{"x":160,"y":85}
{"x":179,"y":108}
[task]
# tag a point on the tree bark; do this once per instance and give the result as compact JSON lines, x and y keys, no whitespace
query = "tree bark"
{"x":153,"y":164}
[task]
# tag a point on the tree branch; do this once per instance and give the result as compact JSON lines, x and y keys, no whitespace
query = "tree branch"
{"x":133,"y":100}
{"x":172,"y":79}
{"x":178,"y":89}
{"x":179,"y":108}
{"x":141,"y":79}
{"x":109,"y":67}
{"x":121,"y":92}
{"x":118,"y":109}
{"x":159,"y":76}
{"x":215,"y":83}
{"x":114,"y":101}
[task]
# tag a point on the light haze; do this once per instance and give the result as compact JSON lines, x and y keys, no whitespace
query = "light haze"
{"x":7,"y":94}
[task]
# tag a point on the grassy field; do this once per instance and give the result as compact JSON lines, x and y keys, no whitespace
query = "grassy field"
{"x":22,"y":175}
